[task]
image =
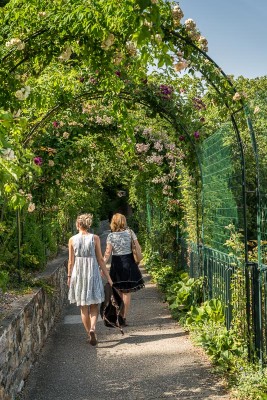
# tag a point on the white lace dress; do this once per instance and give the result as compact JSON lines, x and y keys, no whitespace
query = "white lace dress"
{"x":86,"y":286}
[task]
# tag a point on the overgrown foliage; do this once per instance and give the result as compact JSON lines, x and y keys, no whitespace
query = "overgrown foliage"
{"x":206,"y":322}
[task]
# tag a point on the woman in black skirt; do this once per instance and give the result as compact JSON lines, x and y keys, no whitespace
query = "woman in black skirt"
{"x":124,"y":272}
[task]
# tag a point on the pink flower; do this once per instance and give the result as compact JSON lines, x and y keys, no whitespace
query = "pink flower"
{"x":181,"y":138}
{"x":197,"y":134}
{"x":158,"y":146}
{"x":154,"y":159}
{"x":56,"y":124}
{"x":38,"y":161}
{"x":142,"y":147}
{"x":118,"y":73}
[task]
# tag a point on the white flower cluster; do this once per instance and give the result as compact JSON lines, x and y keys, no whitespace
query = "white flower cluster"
{"x":16,"y":42}
{"x":147,"y":132}
{"x":142,"y":147}
{"x":167,"y":190}
{"x":108,"y":42}
{"x":131,"y":48}
{"x":147,"y":23}
{"x":190,"y":24}
{"x":87,"y":108}
{"x":66,"y":135}
{"x":65,"y":55}
{"x":27,"y":195}
{"x":161,"y":179}
{"x":31,"y":207}
{"x":191,"y":29}
{"x":8,"y":154}
{"x":203,"y":43}
{"x":154,"y":159}
{"x":194,"y":34}
{"x":118,"y":58}
{"x":23,"y":93}
{"x":72,"y":123}
{"x":158,"y":146}
{"x":158,"y":38}
{"x":237,"y":96}
{"x":177,"y":15}
{"x":170,"y":146}
{"x":105,"y":119}
{"x":180,"y":65}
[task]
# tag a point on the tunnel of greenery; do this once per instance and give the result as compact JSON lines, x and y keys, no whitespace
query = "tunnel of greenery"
{"x":105,"y":108}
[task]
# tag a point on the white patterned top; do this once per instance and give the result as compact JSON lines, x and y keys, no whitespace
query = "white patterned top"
{"x":121,"y":242}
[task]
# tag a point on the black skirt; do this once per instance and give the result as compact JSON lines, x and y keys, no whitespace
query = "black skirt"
{"x":125,"y":273}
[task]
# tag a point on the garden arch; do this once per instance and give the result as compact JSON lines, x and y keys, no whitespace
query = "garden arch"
{"x":172,"y":37}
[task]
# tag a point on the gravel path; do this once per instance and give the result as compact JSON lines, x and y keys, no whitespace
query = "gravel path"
{"x":155,"y":359}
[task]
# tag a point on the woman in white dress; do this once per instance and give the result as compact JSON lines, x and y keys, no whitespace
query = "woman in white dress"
{"x":84,"y":279}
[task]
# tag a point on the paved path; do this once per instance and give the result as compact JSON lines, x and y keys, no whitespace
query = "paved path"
{"x":155,"y":359}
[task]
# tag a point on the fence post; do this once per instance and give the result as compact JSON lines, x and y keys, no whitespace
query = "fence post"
{"x":148,"y":210}
{"x":18,"y":244}
{"x":228,"y":297}
{"x":256,"y":309}
{"x":209,"y":274}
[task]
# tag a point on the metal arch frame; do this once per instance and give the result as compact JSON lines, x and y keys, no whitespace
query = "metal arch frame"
{"x":188,"y":41}
{"x":252,"y":270}
{"x":235,"y":126}
{"x":170,"y":118}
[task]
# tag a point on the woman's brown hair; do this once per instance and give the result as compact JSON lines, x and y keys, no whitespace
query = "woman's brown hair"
{"x":118,"y":223}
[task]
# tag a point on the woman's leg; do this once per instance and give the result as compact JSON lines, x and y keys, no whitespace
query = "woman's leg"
{"x":85,"y":318}
{"x":93,"y":316}
{"x":126,"y":297}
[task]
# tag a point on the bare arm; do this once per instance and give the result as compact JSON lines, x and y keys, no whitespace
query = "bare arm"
{"x":108,"y":252}
{"x":71,"y":260}
{"x":100,"y":259}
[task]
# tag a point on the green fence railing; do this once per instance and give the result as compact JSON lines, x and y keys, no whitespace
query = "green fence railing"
{"x":242,"y":290}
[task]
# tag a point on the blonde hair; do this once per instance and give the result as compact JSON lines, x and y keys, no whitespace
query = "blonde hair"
{"x":84,"y":221}
{"x":118,"y":222}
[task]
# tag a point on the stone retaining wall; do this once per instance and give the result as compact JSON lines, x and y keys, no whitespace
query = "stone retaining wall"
{"x":25,"y":328}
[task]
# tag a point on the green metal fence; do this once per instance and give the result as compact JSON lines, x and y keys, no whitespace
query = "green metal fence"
{"x":223,"y":200}
{"x":227,"y":277}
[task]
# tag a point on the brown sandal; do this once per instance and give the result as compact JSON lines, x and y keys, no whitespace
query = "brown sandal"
{"x":92,"y":338}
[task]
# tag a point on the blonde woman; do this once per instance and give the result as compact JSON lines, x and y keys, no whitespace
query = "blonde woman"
{"x":84,"y":279}
{"x":124,"y":272}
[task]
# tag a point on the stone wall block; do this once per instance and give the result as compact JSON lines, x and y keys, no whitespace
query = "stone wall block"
{"x":24,"y":331}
